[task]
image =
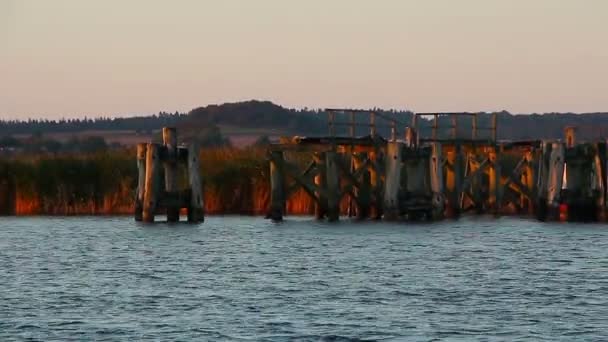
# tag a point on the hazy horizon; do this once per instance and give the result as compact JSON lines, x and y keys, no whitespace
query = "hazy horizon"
{"x":69,"y":58}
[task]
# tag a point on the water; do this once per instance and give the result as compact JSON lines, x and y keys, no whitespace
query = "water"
{"x":243,"y":278}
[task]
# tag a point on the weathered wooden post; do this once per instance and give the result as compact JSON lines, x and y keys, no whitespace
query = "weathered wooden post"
{"x":458,"y":169}
{"x":392,"y":182}
{"x":411,"y":138}
{"x":375,"y":184}
{"x":277,"y":186}
{"x":599,"y":186}
{"x":141,"y":181}
{"x":363,"y":190}
{"x":320,"y":183}
{"x":196,"y":207}
{"x":152,"y":182}
{"x":494,"y":176}
{"x":527,"y":179}
{"x":333,"y":186}
{"x":570,"y":135}
{"x":436,"y":170}
{"x":556,"y":178}
{"x":170,"y":165}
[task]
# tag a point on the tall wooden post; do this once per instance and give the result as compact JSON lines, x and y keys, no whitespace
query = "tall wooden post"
{"x":570,"y":134}
{"x":436,"y":170}
{"x":527,"y":179}
{"x":392,"y":182}
{"x":375,"y":185}
{"x":494,"y":173}
{"x":277,"y":186}
{"x":196,"y":208}
{"x":320,"y":183}
{"x":372,"y":124}
{"x":556,"y":175}
{"x":333,"y":186}
{"x":170,"y":165}
{"x":152,"y":183}
{"x":363,"y":191}
{"x":411,"y":139}
{"x":141,"y":181}
{"x":458,"y":166}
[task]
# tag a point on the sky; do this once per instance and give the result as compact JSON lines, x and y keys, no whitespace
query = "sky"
{"x":75,"y":58}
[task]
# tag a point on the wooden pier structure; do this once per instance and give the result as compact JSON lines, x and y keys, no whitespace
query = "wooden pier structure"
{"x":410,"y":176}
{"x":158,"y":173}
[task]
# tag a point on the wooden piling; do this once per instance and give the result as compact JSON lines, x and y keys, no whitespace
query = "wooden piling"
{"x":363,"y":191}
{"x":494,"y":180}
{"x":170,"y":166}
{"x":392,"y":181}
{"x":374,"y":177}
{"x":556,"y":175}
{"x":152,"y":182}
{"x":436,"y":176}
{"x":458,"y":169}
{"x":570,"y":135}
{"x":333,"y":186}
{"x":321,"y":202}
{"x":277,"y":186}
{"x":196,"y":207}
{"x":141,"y":181}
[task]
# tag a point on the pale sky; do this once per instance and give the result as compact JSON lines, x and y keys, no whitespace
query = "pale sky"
{"x":69,"y":58}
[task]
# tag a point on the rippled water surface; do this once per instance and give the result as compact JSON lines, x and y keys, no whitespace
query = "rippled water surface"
{"x":244,"y":278}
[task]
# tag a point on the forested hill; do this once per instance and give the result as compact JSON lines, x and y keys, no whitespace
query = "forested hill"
{"x":268,"y":116}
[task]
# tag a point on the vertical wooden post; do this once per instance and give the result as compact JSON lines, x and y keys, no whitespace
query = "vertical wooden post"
{"x":528,"y":180}
{"x":436,"y":170}
{"x":372,"y":124}
{"x":363,"y":191}
{"x":454,"y":126}
{"x":170,"y":165}
{"x":556,"y":175}
{"x":410,"y":137}
{"x":375,"y":185}
{"x":570,"y":134}
{"x":458,"y":166}
{"x":392,"y":182}
{"x":494,"y":178}
{"x":152,"y":183}
{"x":598,"y":182}
{"x":320,"y":183}
{"x":196,"y":208}
{"x":141,"y":181}
{"x":277,"y":186}
{"x":333,"y":186}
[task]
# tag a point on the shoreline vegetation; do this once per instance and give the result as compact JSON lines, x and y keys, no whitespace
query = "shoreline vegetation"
{"x":235,"y":181}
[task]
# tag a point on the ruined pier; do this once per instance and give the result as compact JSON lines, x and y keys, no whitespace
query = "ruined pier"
{"x":458,"y":168}
{"x":158,"y":190}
